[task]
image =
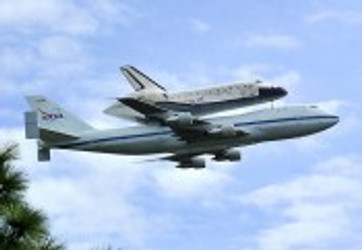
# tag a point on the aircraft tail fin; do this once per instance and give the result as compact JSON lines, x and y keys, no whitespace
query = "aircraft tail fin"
{"x":139,"y":80}
{"x":49,"y":122}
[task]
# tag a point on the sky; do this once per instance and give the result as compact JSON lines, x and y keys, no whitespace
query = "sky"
{"x":296,"y":194}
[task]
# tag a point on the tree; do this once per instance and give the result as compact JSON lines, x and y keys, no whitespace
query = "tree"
{"x":12,"y":182}
{"x":21,"y":226}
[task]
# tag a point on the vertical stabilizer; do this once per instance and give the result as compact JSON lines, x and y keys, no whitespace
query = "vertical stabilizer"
{"x":139,"y":80}
{"x":49,"y":119}
{"x":50,"y":124}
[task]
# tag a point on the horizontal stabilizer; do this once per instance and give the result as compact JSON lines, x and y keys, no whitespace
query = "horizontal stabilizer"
{"x":33,"y":131}
{"x":48,"y":135}
{"x":43,"y":154}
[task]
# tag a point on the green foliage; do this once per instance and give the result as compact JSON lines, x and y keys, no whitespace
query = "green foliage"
{"x":12,"y":182}
{"x":21,"y":226}
{"x":49,"y":244}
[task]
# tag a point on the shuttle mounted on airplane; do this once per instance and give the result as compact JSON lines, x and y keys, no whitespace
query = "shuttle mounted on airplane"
{"x":173,"y":125}
{"x":196,"y":102}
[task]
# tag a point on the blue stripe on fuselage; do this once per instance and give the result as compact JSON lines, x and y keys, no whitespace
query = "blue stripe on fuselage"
{"x":241,"y":124}
{"x":115,"y":138}
{"x":303,"y":118}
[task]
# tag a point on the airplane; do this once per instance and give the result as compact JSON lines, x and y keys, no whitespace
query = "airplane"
{"x":183,"y":137}
{"x":196,"y":102}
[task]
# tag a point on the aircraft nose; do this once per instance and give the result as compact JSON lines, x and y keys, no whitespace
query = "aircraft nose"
{"x":325,"y":119}
{"x":333,"y":120}
{"x":329,"y":121}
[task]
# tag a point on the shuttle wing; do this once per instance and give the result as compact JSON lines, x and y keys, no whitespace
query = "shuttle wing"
{"x":146,"y":108}
{"x":186,"y":126}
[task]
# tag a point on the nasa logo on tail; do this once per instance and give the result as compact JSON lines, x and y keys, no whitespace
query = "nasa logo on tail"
{"x":50,"y":116}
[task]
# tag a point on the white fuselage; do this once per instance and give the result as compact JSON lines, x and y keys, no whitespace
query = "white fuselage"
{"x":200,"y":102}
{"x":263,"y":125}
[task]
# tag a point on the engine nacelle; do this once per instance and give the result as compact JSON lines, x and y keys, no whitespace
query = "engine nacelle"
{"x":195,"y":163}
{"x":181,"y":119}
{"x":228,"y":155}
{"x":223,"y":131}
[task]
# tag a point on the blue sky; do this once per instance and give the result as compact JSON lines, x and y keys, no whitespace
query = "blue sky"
{"x":298,"y":194}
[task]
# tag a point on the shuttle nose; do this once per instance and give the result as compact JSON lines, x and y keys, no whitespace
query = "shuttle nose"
{"x":280,"y":91}
{"x":272,"y":92}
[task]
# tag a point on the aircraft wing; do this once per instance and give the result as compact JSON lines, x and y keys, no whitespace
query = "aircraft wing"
{"x":186,"y":126}
{"x":194,"y":159}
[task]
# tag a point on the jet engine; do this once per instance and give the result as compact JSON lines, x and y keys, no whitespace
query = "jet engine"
{"x":195,"y":163}
{"x":228,"y":155}
{"x":181,"y":119}
{"x":228,"y":131}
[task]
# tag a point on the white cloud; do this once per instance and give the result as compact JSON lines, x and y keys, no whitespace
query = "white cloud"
{"x":26,"y":147}
{"x":307,"y":187}
{"x":347,"y":17}
{"x":250,"y":72}
{"x":88,"y":202}
{"x":331,"y":106}
{"x":200,"y":26}
{"x":344,"y":166}
{"x":15,"y":60}
{"x":93,"y":198}
{"x":269,"y":41}
{"x":299,"y":234}
{"x":46,"y":64}
{"x":6,"y":113}
{"x":59,"y":66}
{"x":188,"y":184}
{"x":60,"y":48}
{"x":289,"y":79}
{"x":311,"y":145}
{"x":97,"y":202}
{"x":57,"y":15}
{"x":171,"y":81}
{"x":55,"y":54}
{"x":66,"y":16}
{"x":259,"y":71}
{"x":61,"y":57}
{"x":316,"y":210}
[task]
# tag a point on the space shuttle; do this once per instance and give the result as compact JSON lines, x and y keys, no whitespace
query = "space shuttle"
{"x":196,"y":103}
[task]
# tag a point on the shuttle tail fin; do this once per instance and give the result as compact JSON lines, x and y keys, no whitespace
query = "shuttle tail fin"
{"x":139,"y":80}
